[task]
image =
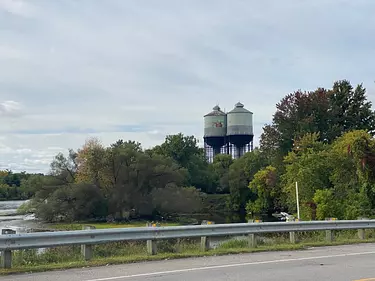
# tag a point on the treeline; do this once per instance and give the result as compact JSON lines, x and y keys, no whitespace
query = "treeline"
{"x":123,"y":181}
{"x":13,"y":186}
{"x":320,"y":139}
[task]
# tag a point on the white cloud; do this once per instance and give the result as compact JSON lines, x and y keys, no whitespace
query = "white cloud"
{"x":17,"y":7}
{"x":34,"y":153}
{"x":10,"y":108}
{"x":140,"y":69}
{"x":9,"y":53}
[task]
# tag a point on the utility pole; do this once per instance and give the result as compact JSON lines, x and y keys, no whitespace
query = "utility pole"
{"x":298,"y":216}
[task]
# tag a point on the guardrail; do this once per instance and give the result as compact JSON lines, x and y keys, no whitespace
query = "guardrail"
{"x":89,"y":237}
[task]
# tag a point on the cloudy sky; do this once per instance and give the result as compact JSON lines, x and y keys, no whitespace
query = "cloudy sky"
{"x":71,"y":69}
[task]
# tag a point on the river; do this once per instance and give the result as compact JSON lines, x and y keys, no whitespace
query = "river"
{"x":10,"y":219}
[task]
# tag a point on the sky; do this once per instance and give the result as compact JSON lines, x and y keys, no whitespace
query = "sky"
{"x":140,"y":70}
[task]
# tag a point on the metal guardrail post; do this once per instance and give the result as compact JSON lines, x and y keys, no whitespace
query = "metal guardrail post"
{"x":86,"y":249}
{"x":292,"y":235}
{"x":329,"y":236}
{"x":151,"y":244}
{"x":6,"y":256}
{"x":361,"y":232}
{"x":178,"y":245}
{"x":329,"y":233}
{"x":205,"y":241}
{"x":252,"y":238}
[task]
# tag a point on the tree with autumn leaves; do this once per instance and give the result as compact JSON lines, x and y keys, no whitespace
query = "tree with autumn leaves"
{"x":323,"y":140}
{"x":329,"y":112}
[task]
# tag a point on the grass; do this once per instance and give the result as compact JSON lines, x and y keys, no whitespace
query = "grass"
{"x":101,"y":225}
{"x":100,"y":261}
{"x":130,"y":252}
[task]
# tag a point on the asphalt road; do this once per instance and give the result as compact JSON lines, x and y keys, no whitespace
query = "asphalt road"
{"x":339,"y":263}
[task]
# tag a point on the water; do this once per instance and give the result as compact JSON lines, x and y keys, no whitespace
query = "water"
{"x":10,"y":219}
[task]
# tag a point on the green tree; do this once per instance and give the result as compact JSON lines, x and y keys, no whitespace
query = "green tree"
{"x":184,"y":150}
{"x":11,"y":179}
{"x":173,"y":200}
{"x":139,"y":174}
{"x":309,"y":165}
{"x":264,"y":186}
{"x":11,"y":185}
{"x":73,"y":203}
{"x":65,"y":168}
{"x":269,"y":143}
{"x":43,"y":187}
{"x":32,"y":184}
{"x":349,"y":109}
{"x":220,"y":169}
{"x":352,"y":176}
{"x":241,"y":173}
{"x":119,"y":156}
{"x":180,"y":148}
{"x":327,"y":205}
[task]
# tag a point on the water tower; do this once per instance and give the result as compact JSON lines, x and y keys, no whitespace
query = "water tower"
{"x":215,"y":130}
{"x":240,"y":133}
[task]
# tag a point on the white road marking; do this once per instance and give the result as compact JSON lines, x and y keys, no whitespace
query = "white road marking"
{"x":227,"y":266}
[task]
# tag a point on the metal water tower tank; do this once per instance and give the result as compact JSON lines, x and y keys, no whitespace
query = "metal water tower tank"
{"x":240,"y":128}
{"x":215,"y":129}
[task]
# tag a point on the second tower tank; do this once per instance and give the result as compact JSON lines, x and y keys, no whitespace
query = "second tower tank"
{"x":240,"y":127}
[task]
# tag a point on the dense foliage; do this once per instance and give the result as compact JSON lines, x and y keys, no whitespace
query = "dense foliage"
{"x":320,"y":139}
{"x":14,"y":186}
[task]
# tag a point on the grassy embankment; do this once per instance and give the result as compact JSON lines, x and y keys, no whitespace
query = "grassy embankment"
{"x":129,"y":252}
{"x":79,"y":226}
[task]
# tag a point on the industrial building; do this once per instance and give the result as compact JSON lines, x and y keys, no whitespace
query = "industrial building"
{"x":228,"y":133}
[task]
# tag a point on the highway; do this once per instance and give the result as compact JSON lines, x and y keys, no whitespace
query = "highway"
{"x":337,"y":263}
